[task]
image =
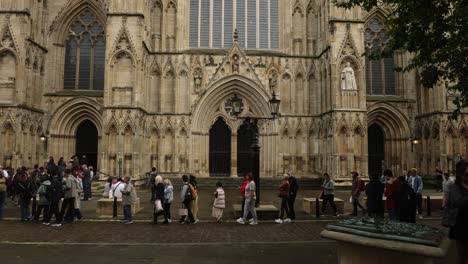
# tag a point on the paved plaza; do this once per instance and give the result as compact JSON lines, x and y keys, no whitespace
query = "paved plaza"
{"x":97,"y":240}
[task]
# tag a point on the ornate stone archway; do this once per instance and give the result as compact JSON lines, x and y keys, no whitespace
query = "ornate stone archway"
{"x":214,"y":104}
{"x":65,"y":122}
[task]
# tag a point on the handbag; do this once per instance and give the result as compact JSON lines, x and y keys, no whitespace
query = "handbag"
{"x":158,"y":206}
{"x":321,"y":195}
{"x":183,"y":212}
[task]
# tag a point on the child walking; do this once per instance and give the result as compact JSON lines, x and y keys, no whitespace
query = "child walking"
{"x":219,"y":202}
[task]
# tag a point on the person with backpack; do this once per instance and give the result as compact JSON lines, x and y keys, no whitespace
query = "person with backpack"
{"x":69,"y":188}
{"x":356,"y":190}
{"x":293,"y":188}
{"x":44,"y":192}
{"x":219,"y":202}
{"x":186,"y":198}
{"x":158,"y":199}
{"x":168,"y":199}
{"x":3,"y":193}
{"x":56,"y":195}
{"x":193,"y":189}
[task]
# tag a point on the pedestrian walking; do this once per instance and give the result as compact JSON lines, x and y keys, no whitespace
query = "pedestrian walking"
{"x":328,"y":191}
{"x":186,"y":198}
{"x":242,"y":190}
{"x":356,"y":190}
{"x":374,"y":191}
{"x":416,"y":183}
{"x":69,"y":187}
{"x":456,"y":212}
{"x":129,"y":197}
{"x":219,"y":202}
{"x":158,"y":199}
{"x":168,"y":199}
{"x":3,"y":193}
{"x":293,"y":188}
{"x":44,"y":192}
{"x":283,"y":194}
{"x":250,"y":198}
{"x":391,"y":190}
{"x":194,"y":188}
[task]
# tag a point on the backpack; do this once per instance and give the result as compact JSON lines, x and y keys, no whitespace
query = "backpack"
{"x":188,"y":194}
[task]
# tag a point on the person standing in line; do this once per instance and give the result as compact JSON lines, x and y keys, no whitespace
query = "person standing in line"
{"x":186,"y":198}
{"x":62,"y":165}
{"x":168,"y":199}
{"x":417,"y":185}
{"x":33,"y":185}
{"x":283,"y":193}
{"x":69,"y":186}
{"x":356,"y":189}
{"x":3,"y":193}
{"x":44,"y":192}
{"x":152,"y":182}
{"x":25,"y":194}
{"x":405,"y":202}
{"x":219,"y":202}
{"x":193,"y":187}
{"x":293,"y":188}
{"x":78,"y":193}
{"x":448,"y":182}
{"x":439,"y":179}
{"x":250,"y":198}
{"x":391,"y":191}
{"x":129,"y":197}
{"x":456,"y":215}
{"x":374,"y":192}
{"x":158,"y":199}
{"x":56,"y":195}
{"x":328,"y":188}
{"x":86,"y":183}
{"x":242,"y":190}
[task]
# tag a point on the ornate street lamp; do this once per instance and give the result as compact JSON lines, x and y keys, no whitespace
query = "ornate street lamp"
{"x":252,"y":124}
{"x":43,"y":138}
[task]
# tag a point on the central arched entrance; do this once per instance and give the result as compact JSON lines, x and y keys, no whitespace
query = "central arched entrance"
{"x":87,"y":143}
{"x":376,"y":149}
{"x":220,"y":149}
{"x":244,"y":149}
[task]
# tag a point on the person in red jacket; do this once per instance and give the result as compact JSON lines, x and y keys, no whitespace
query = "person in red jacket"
{"x":242,"y":190}
{"x":391,"y":189}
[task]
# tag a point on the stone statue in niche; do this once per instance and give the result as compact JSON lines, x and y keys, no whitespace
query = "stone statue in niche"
{"x":273,"y":82}
{"x":197,"y":78}
{"x":235,"y":63}
{"x":348,"y":79}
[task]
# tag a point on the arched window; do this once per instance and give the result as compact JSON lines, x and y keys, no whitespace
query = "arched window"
{"x":380,"y":74}
{"x":84,"y":55}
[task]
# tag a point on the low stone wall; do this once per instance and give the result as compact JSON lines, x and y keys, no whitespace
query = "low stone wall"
{"x":105,"y":207}
{"x":309,"y":205}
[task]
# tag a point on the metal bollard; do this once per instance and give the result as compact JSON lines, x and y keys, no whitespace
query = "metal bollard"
{"x":317,"y":207}
{"x":114,"y":211}
{"x":428,"y":205}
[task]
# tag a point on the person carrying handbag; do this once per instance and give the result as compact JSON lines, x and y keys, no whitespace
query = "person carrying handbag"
{"x":456,"y":212}
{"x":158,"y":199}
{"x":128,"y":198}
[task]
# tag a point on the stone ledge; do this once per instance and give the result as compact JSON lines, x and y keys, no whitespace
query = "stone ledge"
{"x":309,"y":205}
{"x":105,"y":207}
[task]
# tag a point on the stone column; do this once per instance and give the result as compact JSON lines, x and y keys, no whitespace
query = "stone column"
{"x":234,"y":155}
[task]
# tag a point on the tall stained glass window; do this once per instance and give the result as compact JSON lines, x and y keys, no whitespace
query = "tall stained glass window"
{"x":84,"y":53}
{"x":212,"y":23}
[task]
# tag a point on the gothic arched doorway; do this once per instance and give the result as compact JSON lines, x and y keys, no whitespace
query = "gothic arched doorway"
{"x":87,"y":142}
{"x":376,"y":149}
{"x":244,"y":149}
{"x":220,"y":149}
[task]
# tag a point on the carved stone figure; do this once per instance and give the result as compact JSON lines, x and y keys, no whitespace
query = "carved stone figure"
{"x":348,"y":80}
{"x":235,"y":63}
{"x":273,"y":82}
{"x":197,"y":80}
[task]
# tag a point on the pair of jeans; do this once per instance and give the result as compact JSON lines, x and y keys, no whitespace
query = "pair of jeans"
{"x":356,"y":204}
{"x":54,"y":211}
{"x":45,"y":216}
{"x":2,"y":203}
{"x":86,"y":189}
{"x":189,"y":212}
{"x":291,"y":201}
{"x":24,"y":208}
{"x":249,"y":216}
{"x":127,"y":212}
{"x":419,"y":203}
{"x":167,"y":211}
{"x":250,"y":208}
{"x":328,"y":198}
{"x":284,"y":208}
{"x":67,"y":210}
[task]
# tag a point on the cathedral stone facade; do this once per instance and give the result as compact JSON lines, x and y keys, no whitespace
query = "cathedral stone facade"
{"x":148,"y":83}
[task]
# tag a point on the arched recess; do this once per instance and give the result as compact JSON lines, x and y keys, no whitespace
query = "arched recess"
{"x":8,"y":70}
{"x":65,"y":122}
{"x":396,"y":131}
{"x":123,"y":72}
{"x":210,"y":107}
{"x":8,"y":140}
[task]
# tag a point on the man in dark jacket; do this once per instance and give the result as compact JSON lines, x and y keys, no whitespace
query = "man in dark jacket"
{"x":86,"y":183}
{"x":406,"y":202}
{"x":374,"y":192}
{"x":293,"y":187}
{"x":56,"y":195}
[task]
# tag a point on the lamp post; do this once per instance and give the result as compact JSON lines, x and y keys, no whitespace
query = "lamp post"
{"x":252,"y":124}
{"x":414,"y":142}
{"x":43,"y":139}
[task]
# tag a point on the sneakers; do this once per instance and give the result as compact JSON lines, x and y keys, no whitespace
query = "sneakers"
{"x":241,"y":221}
{"x":421,"y":217}
{"x":56,"y":225}
{"x":47,"y":224}
{"x":287,"y":220}
{"x":253,"y":223}
{"x":129,"y":222}
{"x":196,"y":221}
{"x":169,"y":220}
{"x":279,"y":221}
{"x":250,"y":220}
{"x":336,"y":215}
